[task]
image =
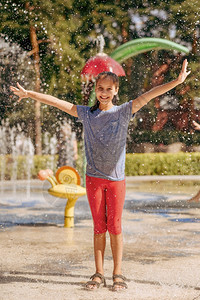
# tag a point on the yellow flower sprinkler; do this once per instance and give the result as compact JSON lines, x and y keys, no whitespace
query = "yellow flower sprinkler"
{"x":66,"y":184}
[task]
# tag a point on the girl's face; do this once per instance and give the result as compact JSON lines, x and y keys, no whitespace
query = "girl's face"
{"x":105,"y":91}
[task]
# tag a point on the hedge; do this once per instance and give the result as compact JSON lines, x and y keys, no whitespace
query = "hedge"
{"x":163,"y":164}
{"x":136,"y":164}
{"x":23,"y":163}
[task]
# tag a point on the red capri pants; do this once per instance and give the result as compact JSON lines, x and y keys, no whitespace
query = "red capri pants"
{"x":106,"y":199}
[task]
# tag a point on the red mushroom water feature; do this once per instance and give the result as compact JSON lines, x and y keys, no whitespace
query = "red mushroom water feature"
{"x":100,"y":63}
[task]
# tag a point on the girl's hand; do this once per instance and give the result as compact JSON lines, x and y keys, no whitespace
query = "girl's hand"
{"x":196,"y":125}
{"x":20,"y":92}
{"x":182,"y":76}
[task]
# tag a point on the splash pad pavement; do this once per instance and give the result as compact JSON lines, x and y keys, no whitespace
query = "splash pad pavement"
{"x":42,"y":260}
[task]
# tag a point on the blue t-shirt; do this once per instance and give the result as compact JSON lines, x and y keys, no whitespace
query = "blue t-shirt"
{"x":105,"y":135}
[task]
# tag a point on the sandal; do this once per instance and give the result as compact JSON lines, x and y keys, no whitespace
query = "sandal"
{"x":121,"y":284}
{"x":94,"y":283}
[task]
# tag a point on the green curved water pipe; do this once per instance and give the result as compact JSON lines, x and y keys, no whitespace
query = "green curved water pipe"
{"x":142,"y":45}
{"x":138,"y":46}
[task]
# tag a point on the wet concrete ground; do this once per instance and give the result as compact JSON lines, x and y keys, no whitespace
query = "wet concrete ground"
{"x":42,"y":260}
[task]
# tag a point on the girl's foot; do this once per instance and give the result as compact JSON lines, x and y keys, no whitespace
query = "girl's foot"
{"x":119,"y":283}
{"x":97,"y":280}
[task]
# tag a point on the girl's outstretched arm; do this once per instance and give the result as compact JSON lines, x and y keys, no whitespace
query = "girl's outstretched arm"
{"x":47,"y":99}
{"x":196,"y":125}
{"x":159,"y":90}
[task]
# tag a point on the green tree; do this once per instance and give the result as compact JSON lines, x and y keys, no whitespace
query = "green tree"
{"x":179,"y":22}
{"x":39,"y":28}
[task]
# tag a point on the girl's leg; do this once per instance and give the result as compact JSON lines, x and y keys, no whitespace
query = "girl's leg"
{"x":99,"y":249}
{"x":115,"y":196}
{"x":96,"y":198}
{"x":116,"y":242}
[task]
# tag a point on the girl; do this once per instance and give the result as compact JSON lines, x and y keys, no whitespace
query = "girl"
{"x":105,"y":127}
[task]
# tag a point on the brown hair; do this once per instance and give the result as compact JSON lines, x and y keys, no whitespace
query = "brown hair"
{"x":101,"y":76}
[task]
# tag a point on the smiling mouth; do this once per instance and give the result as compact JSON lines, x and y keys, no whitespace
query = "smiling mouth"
{"x":104,"y":98}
